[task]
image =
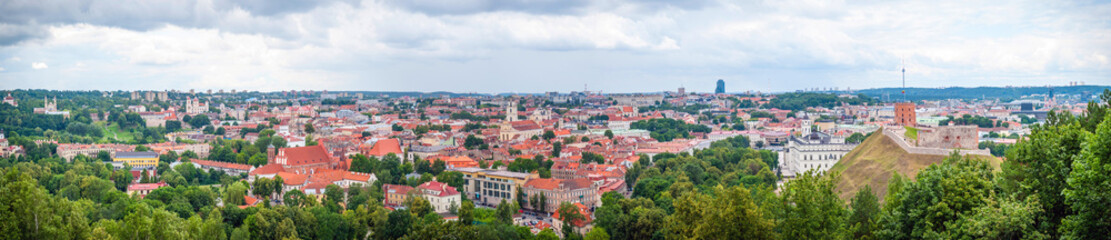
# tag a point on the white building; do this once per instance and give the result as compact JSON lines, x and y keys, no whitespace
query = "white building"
{"x":815,"y":151}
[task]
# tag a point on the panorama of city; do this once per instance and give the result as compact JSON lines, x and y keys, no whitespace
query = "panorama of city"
{"x":482,"y":119}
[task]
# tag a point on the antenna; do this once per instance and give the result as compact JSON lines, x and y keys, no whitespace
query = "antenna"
{"x":904,"y":80}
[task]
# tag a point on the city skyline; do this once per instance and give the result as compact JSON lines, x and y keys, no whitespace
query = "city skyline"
{"x":512,"y":47}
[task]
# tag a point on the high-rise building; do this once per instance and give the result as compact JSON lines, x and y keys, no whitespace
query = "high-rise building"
{"x":721,"y":86}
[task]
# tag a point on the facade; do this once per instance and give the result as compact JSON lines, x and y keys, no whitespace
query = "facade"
{"x":142,"y":189}
{"x":720,"y":87}
{"x":395,"y":195}
{"x":200,"y":149}
{"x":50,"y":108}
{"x":137,"y":159}
{"x":70,"y":150}
{"x":305,"y":160}
{"x":233,"y":169}
{"x":581,"y":226}
{"x":194,"y":106}
{"x":557,"y":191}
{"x":490,"y":187}
{"x":815,"y":151}
{"x":440,"y":195}
{"x":905,"y":115}
{"x":10,"y":100}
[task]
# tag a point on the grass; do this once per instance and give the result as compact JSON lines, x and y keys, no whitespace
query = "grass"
{"x":912,"y":133}
{"x":113,"y":132}
{"x":876,"y":159}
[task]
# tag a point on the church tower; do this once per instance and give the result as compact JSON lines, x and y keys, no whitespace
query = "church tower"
{"x":511,"y":111}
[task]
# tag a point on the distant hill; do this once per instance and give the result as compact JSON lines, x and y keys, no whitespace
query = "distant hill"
{"x":873,"y":162}
{"x":979,"y":92}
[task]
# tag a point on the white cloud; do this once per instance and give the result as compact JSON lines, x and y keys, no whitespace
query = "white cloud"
{"x":618,"y":44}
{"x":1,"y":69}
{"x":38,"y":65}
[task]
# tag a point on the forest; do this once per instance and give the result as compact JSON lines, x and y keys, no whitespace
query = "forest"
{"x":1051,"y":186}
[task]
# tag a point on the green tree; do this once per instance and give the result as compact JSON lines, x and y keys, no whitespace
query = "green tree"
{"x":1041,"y":166}
{"x":549,"y":135}
{"x":865,"y":209}
{"x":809,"y":207}
{"x":609,"y":134}
{"x":937,"y":198}
{"x":568,"y":214}
{"x":732,"y":213}
{"x":597,"y":233}
{"x":309,"y":129}
{"x":466,"y":212}
{"x":1086,"y":194}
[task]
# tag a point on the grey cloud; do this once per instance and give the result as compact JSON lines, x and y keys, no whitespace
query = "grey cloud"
{"x":463,"y":7}
{"x":26,"y":19}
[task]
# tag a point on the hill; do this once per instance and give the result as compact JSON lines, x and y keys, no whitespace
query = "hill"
{"x":981,"y":92}
{"x":873,"y":162}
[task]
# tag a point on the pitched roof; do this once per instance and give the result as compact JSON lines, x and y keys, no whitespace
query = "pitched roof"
{"x":243,"y":167}
{"x":304,"y":155}
{"x":267,"y":169}
{"x":553,"y":184}
{"x":385,"y":146}
{"x":289,"y":178}
{"x":443,"y":189}
{"x":582,"y":211}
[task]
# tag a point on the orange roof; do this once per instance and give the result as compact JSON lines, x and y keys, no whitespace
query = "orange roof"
{"x":267,"y":169}
{"x":304,"y":155}
{"x":385,"y":146}
{"x":243,"y":167}
{"x":582,"y":211}
{"x":289,"y":178}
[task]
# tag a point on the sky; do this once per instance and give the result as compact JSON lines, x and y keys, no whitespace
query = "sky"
{"x":534,"y":46}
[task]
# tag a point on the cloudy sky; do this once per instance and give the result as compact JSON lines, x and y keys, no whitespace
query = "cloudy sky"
{"x":497,"y":46}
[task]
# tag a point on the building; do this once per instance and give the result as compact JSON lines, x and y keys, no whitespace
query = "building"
{"x":50,"y":108}
{"x":905,"y":115}
{"x":720,"y":88}
{"x":233,"y":169}
{"x":581,"y":226}
{"x":440,"y":195}
{"x":383,"y":147}
{"x":490,"y":187}
{"x":194,"y":106}
{"x":557,"y":191}
{"x":146,"y":159}
{"x":519,"y":130}
{"x":511,"y":111}
{"x":200,"y":149}
{"x":815,"y":151}
{"x":11,"y":100}
{"x":142,"y":189}
{"x":395,"y":195}
{"x":70,"y":150}
{"x":305,"y":160}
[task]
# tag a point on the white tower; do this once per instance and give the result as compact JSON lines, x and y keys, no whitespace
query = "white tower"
{"x":511,"y":111}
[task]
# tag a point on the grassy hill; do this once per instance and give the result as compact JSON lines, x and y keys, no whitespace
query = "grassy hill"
{"x":873,"y":162}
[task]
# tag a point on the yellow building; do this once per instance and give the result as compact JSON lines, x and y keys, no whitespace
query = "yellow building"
{"x":137,"y":159}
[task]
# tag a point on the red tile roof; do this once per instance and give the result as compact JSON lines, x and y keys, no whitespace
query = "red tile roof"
{"x":272,"y":168}
{"x":443,"y":188}
{"x":384,"y":147}
{"x":289,"y":178}
{"x":582,"y":211}
{"x":243,"y":167}
{"x":304,"y":155}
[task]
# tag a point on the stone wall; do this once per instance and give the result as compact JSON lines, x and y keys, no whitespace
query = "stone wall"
{"x":898,"y":139}
{"x":964,"y":137}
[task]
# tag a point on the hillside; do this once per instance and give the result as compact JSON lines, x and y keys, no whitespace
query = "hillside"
{"x":873,"y":162}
